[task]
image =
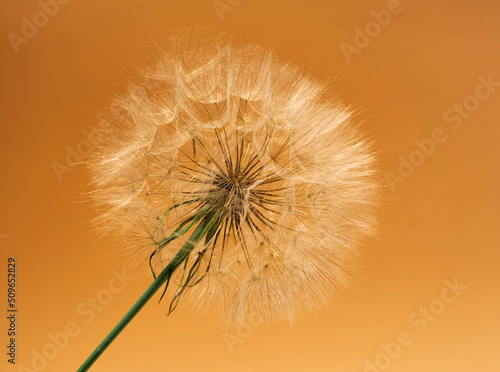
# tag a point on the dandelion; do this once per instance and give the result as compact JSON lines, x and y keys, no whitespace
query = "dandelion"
{"x":242,"y":184}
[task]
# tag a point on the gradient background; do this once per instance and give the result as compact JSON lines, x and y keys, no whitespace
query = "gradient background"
{"x":441,"y":223}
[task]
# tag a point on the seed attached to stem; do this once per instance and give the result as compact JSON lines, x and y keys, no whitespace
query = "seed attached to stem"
{"x":235,"y":173}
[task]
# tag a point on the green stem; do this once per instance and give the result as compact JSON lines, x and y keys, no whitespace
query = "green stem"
{"x":200,"y":231}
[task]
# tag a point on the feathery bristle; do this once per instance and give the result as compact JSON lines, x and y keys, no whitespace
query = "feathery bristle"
{"x":234,"y":134}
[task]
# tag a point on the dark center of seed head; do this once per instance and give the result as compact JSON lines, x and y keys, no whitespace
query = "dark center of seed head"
{"x":233,"y":189}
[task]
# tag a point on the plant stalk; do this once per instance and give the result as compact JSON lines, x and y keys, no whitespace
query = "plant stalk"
{"x":201,"y":230}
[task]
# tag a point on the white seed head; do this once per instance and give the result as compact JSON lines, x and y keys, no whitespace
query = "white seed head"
{"x":214,"y":127}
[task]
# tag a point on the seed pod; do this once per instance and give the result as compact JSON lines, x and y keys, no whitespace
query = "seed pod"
{"x":251,"y":152}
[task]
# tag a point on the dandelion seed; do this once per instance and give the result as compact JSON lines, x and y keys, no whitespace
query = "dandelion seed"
{"x":233,"y":171}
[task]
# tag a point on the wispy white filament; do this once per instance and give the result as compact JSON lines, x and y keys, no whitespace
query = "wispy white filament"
{"x":234,"y":129}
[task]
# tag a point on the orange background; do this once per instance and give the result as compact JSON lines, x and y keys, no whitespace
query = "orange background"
{"x":440,"y":223}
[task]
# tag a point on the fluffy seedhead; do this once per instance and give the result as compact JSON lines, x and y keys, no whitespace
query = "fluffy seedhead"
{"x":237,"y":141}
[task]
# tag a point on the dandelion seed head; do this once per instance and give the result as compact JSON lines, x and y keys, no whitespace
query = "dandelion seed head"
{"x":217,"y":128}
